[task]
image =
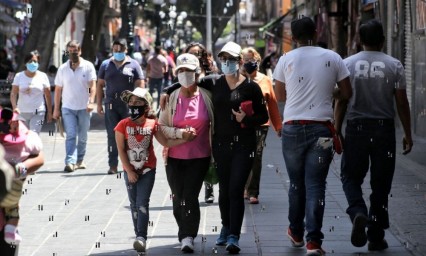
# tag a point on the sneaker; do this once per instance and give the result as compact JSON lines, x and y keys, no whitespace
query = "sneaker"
{"x":112,"y":170}
{"x":187,"y":245}
{"x":358,"y":235}
{"x":11,"y":235}
{"x":253,"y":200}
{"x":223,"y":237}
{"x":139,"y":244}
{"x":378,"y":246}
{"x":232,"y":245}
{"x":80,"y":165}
{"x":314,"y":249}
{"x":69,"y":168}
{"x":209,"y":195}
{"x":295,"y":240}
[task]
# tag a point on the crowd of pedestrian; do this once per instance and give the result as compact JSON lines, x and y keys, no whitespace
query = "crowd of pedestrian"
{"x":219,"y":116}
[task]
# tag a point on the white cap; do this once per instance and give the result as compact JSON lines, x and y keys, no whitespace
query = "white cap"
{"x":187,"y":60}
{"x":231,"y":48}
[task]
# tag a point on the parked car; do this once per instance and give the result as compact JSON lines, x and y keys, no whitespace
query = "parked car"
{"x":5,"y":89}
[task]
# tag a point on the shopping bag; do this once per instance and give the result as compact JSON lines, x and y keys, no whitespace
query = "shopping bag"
{"x":247,"y":107}
{"x":211,"y":175}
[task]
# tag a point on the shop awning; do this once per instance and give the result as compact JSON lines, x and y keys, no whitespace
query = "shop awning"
{"x":12,"y":4}
{"x":272,"y":24}
{"x":285,"y":17}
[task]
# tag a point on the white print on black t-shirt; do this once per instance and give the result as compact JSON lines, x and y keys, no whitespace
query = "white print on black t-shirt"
{"x":138,"y":151}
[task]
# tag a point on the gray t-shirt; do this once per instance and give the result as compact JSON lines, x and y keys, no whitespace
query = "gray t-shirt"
{"x":374,"y":77}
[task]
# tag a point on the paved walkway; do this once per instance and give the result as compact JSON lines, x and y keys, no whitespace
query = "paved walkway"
{"x":87,"y":212}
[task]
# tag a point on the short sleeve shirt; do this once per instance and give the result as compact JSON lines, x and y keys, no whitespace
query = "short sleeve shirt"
{"x":75,"y":84}
{"x":139,"y":142}
{"x":310,"y":74}
{"x":119,"y":79}
{"x":374,"y":78}
{"x":31,"y":91}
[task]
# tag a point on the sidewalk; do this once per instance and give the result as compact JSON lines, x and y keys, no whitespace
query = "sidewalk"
{"x":87,"y":212}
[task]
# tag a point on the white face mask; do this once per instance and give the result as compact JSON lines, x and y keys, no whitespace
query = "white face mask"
{"x":186,"y":79}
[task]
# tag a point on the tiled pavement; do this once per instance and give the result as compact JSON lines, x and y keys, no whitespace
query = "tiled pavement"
{"x":87,"y":213}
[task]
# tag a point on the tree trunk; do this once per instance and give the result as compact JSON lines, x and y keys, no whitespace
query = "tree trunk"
{"x":92,"y":30}
{"x":47,"y":16}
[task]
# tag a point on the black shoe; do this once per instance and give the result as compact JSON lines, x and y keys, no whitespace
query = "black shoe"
{"x":208,"y":196}
{"x":358,"y":235}
{"x":69,"y":168}
{"x":378,"y":246}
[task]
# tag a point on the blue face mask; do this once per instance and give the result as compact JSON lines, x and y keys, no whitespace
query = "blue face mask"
{"x":32,"y":66}
{"x":230,"y":67}
{"x":119,"y":56}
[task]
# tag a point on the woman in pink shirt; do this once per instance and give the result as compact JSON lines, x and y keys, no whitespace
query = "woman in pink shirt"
{"x":189,"y":107}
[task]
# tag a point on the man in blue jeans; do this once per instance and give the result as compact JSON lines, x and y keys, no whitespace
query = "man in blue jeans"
{"x":305,"y":78}
{"x":377,"y":80}
{"x":116,"y":74}
{"x":75,"y":84}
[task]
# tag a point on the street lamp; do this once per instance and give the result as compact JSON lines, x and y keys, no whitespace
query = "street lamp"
{"x":158,"y":4}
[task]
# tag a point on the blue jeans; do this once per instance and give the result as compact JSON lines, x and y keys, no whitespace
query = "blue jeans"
{"x":307,"y":151}
{"x":115,"y":111}
{"x":156,"y":83}
{"x":369,"y":144}
{"x":76,"y":126}
{"x":234,"y":161}
{"x":139,"y":194}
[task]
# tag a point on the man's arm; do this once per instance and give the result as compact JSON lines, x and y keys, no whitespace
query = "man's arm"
{"x":58,"y":96}
{"x":92,"y":95}
{"x":342,"y":96}
{"x":100,"y":95}
{"x":403,"y":109}
{"x":280,"y":92}
{"x":140,"y":83}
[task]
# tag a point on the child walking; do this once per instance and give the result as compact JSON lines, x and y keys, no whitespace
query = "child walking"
{"x":23,"y":152}
{"x":134,"y":137}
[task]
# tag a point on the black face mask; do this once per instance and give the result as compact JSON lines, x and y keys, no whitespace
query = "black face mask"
{"x":137,"y":111}
{"x":250,"y":67}
{"x":74,"y":57}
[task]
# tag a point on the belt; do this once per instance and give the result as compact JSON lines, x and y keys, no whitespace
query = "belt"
{"x":380,"y":122}
{"x":303,"y":122}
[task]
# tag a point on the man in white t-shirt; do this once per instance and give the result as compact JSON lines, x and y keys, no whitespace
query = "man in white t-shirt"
{"x":305,"y":79}
{"x":76,"y":88}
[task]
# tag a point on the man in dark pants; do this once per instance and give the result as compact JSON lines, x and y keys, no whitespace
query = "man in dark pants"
{"x":377,"y":79}
{"x":116,"y":74}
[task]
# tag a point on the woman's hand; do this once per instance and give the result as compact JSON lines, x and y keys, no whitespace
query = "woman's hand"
{"x":189,"y":134}
{"x":239,"y":116}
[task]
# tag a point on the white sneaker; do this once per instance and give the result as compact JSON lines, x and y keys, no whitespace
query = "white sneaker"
{"x":11,"y":235}
{"x":139,"y":244}
{"x":187,"y":244}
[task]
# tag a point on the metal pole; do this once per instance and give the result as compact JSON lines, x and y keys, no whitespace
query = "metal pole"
{"x":158,"y":25}
{"x":209,"y":42}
